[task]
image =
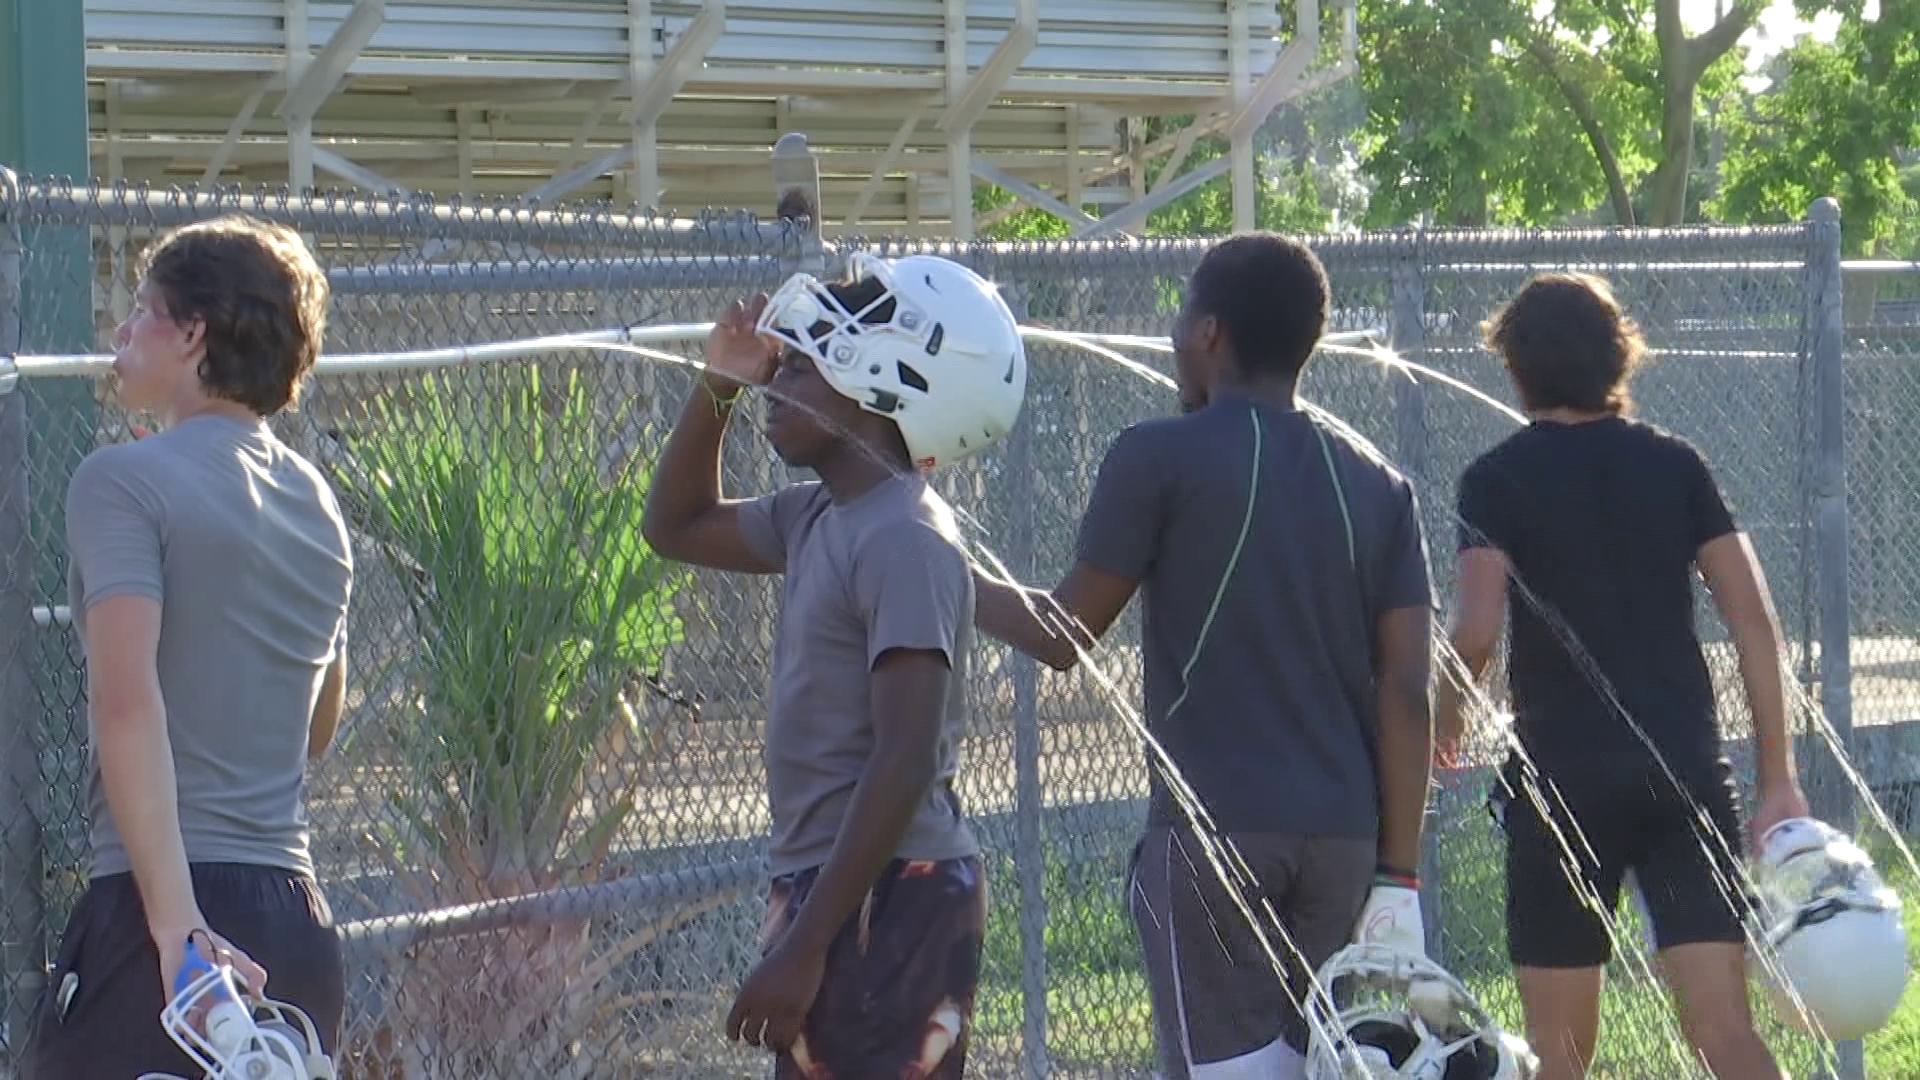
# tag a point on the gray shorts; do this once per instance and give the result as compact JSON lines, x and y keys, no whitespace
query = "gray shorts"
{"x":1216,"y":995}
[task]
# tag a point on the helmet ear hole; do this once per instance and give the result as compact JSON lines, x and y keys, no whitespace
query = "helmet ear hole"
{"x":911,"y":377}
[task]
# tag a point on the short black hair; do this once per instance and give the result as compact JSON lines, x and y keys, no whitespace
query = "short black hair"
{"x":1271,"y":296}
{"x":1567,"y":344}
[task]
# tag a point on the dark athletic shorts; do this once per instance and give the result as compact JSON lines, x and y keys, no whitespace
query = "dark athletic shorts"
{"x":1687,"y":871}
{"x":1215,"y":993}
{"x":108,"y":1026}
{"x":896,"y":1002}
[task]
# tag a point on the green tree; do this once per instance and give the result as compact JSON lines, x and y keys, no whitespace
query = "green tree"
{"x":1490,"y":112}
{"x":1834,"y":121}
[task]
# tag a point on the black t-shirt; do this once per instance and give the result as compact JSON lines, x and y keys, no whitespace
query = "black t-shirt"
{"x":1602,"y":523}
{"x":1274,"y":730}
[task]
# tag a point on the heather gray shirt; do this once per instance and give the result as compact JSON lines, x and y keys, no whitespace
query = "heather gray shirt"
{"x":1275,"y":730}
{"x":241,"y":541}
{"x":884,"y":571}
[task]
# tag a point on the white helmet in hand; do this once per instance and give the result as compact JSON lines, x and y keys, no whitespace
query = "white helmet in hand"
{"x":1364,"y":1023}
{"x":233,"y":1038}
{"x":1834,"y":927}
{"x":938,"y":352}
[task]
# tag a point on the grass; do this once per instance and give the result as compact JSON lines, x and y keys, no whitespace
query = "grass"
{"x":1098,"y":1017}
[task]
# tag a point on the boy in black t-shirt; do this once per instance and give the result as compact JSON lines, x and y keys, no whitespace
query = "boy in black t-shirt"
{"x":1600,"y":522}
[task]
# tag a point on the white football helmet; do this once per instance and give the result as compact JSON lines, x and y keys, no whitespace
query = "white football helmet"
{"x":1835,"y":927}
{"x":232,"y":1041}
{"x":1399,"y":1016}
{"x":948,"y":367}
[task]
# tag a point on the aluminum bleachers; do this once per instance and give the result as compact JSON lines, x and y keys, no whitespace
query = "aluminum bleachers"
{"x":663,"y":101}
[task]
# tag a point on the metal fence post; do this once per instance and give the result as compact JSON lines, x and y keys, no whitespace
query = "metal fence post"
{"x":1408,"y":330}
{"x":23,"y":935}
{"x":1831,"y":797}
{"x":796,"y":182}
{"x":1029,"y":803}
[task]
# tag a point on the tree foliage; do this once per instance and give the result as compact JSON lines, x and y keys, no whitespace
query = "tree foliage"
{"x":1525,"y":113}
{"x":1834,"y":122}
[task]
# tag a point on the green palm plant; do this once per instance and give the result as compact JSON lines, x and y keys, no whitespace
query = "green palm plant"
{"x":539,"y":611}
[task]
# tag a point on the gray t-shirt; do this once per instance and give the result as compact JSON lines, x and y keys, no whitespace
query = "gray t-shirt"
{"x":242,"y":542}
{"x":883,"y":571}
{"x":1275,"y":731}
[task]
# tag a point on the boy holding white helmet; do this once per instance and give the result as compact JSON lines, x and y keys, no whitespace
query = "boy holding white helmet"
{"x":1601,"y":522}
{"x":878,"y":905}
{"x":1285,"y":637}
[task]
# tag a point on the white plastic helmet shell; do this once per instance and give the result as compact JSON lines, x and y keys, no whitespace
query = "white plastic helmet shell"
{"x":1376,"y":1019}
{"x":948,"y":367}
{"x":1835,"y":929}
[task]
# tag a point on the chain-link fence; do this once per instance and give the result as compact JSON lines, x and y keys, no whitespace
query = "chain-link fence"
{"x":588,"y":903}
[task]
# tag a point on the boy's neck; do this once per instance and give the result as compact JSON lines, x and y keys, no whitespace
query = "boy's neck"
{"x":854,"y":469}
{"x":1562,"y":415}
{"x":1279,"y":391}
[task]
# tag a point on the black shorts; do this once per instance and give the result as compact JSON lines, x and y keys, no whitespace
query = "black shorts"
{"x":897,"y":996}
{"x":1688,"y":870}
{"x":1216,"y":996}
{"x":100,"y":1015}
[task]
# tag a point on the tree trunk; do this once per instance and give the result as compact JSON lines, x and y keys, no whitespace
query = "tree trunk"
{"x":1581,"y":103}
{"x":1683,"y":60}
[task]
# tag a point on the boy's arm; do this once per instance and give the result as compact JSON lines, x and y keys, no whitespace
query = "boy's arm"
{"x":1054,"y":628}
{"x":1480,"y":612}
{"x":1739,"y":590}
{"x":1480,"y":600}
{"x":1404,"y":629}
{"x":1119,"y":537}
{"x":685,"y":517}
{"x":1403,"y":632}
{"x":1732,"y":573}
{"x":114,"y":534}
{"x":330,"y":703}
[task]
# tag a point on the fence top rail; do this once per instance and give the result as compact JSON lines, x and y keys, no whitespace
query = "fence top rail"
{"x":1684,"y":245}
{"x":59,"y":200}
{"x":64,"y":201}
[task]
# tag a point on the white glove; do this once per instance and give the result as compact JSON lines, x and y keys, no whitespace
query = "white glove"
{"x":1391,"y":918}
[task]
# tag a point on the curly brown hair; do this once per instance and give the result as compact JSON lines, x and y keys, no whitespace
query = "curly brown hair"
{"x":1567,"y":344}
{"x":261,"y":297}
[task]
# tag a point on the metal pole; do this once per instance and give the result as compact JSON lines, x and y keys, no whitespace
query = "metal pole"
{"x":1831,"y":796}
{"x":141,"y":208}
{"x":1408,"y":330}
{"x":23,"y":929}
{"x":1029,"y":802}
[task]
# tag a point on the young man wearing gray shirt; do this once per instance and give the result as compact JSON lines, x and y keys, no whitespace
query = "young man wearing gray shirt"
{"x":878,"y":905}
{"x":210,"y":573}
{"x":1285,"y":638}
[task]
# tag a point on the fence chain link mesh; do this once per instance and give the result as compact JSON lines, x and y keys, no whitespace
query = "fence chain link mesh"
{"x":612,"y":808}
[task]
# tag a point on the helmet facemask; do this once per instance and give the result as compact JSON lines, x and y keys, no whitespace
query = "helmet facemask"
{"x":1812,"y":874}
{"x":233,"y":1039}
{"x":805,"y":315}
{"x":1383,"y":1013}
